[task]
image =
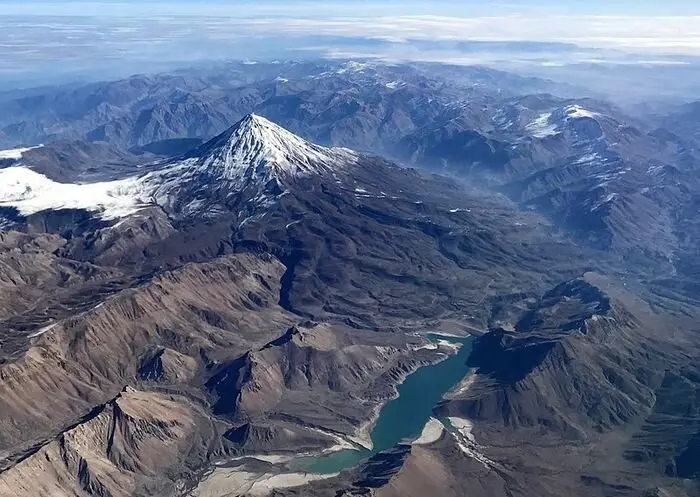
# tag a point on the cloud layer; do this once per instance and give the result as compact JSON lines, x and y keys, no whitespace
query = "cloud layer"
{"x":71,"y":38}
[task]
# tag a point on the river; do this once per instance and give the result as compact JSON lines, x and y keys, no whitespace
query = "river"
{"x":404,"y":417}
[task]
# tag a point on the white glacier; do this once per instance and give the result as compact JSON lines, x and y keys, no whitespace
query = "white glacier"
{"x":30,"y":192}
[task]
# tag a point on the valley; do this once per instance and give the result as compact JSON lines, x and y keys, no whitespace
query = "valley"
{"x":404,"y":417}
{"x":337,"y":278}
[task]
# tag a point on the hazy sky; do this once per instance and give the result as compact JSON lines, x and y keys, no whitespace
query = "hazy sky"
{"x":669,"y":25}
{"x":69,"y":36}
{"x":444,"y":7}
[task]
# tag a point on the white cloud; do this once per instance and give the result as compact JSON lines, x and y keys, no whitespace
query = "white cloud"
{"x":56,"y":38}
{"x":671,"y":34}
{"x":380,"y":19}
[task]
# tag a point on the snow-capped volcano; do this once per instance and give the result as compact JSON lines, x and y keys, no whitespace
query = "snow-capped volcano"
{"x":256,"y":146}
{"x":253,"y":158}
{"x":248,"y":156}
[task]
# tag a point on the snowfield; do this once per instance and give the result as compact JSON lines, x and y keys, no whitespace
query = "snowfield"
{"x":15,"y":153}
{"x":30,"y":192}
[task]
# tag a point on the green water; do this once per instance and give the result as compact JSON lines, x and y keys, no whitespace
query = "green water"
{"x":406,"y":415}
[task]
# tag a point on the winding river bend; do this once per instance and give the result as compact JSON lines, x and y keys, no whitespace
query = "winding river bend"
{"x":403,"y":417}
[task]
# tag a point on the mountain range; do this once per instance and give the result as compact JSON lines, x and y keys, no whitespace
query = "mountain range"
{"x":186,"y":314}
{"x":598,"y":174}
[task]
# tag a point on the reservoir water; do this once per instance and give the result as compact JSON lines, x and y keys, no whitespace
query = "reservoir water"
{"x":403,"y":417}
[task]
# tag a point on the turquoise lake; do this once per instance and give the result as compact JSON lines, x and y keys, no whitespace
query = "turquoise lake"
{"x":405,"y":416}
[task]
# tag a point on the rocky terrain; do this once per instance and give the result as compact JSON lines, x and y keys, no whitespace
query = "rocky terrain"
{"x":586,"y":165}
{"x":271,"y":324}
{"x":351,"y":98}
{"x":186,"y":315}
{"x":574,"y":398}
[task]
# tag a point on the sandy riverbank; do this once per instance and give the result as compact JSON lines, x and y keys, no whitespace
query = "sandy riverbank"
{"x":432,"y":431}
{"x":232,"y":481}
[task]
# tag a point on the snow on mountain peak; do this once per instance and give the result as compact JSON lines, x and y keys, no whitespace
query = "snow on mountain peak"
{"x":257,"y":147}
{"x":542,"y":127}
{"x":578,"y":112}
{"x":249,"y":154}
{"x":549,"y":123}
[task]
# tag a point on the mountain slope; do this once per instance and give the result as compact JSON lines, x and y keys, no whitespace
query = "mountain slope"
{"x":274,"y":292}
{"x":249,"y":155}
{"x":581,"y":162}
{"x":342,"y":222}
{"x":356,"y":104}
{"x":117,"y":451}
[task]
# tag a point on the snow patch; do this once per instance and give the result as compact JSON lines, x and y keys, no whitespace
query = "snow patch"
{"x":16,"y":153}
{"x":255,"y":152}
{"x":353,"y":66}
{"x":394,"y":85}
{"x":655,"y":170}
{"x":43,"y":330}
{"x":462,"y":433}
{"x":578,"y":112}
{"x":588,"y":158}
{"x":30,"y":192}
{"x":463,"y":426}
{"x":609,"y":198}
{"x":542,"y":127}
{"x":502,"y":119}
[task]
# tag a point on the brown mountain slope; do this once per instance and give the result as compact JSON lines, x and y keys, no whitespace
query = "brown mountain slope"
{"x":591,"y":392}
{"x":318,"y":373}
{"x":293,"y":346}
{"x":204,"y":309}
{"x":571,"y":393}
{"x":215,"y":375}
{"x":125,"y":448}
